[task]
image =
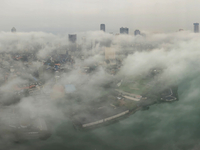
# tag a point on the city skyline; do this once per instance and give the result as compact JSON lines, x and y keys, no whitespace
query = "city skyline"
{"x":125,"y":30}
{"x":66,"y":16}
{"x":99,"y":75}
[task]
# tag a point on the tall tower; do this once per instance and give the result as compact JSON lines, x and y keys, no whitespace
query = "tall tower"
{"x":72,"y":42}
{"x":137,"y":32}
{"x":196,"y":27}
{"x":103,"y":27}
{"x":124,"y":30}
{"x":13,"y":29}
{"x":121,"y":30}
{"x":72,"y":38}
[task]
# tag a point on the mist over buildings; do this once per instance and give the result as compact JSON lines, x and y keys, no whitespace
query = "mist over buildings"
{"x":56,"y":61}
{"x":177,"y":53}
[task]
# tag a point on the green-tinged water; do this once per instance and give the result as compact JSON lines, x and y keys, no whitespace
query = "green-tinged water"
{"x":166,"y":126}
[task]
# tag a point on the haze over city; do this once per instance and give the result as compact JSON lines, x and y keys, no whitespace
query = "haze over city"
{"x":99,"y":75}
{"x":85,"y":15}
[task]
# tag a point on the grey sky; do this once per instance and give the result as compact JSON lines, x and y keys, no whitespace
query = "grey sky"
{"x":62,"y":16}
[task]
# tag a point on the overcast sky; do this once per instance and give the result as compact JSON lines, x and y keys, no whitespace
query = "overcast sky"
{"x":68,"y":16}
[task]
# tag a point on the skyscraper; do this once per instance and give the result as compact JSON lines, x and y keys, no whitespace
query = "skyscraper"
{"x":137,"y":32}
{"x":124,"y":30}
{"x":72,"y":43}
{"x":72,"y":38}
{"x":196,"y":27}
{"x":121,"y":30}
{"x":103,"y":27}
{"x":13,"y":29}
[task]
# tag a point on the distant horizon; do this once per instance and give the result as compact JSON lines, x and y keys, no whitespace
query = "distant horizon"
{"x":75,"y":32}
{"x":80,"y":16}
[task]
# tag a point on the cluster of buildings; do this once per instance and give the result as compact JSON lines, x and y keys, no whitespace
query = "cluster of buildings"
{"x":45,"y":79}
{"x":68,"y":54}
{"x":17,"y":122}
{"x":122,"y":30}
{"x":137,"y":32}
{"x":196,"y":28}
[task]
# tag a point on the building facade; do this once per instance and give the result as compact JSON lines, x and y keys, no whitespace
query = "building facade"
{"x":124,"y":30}
{"x":196,"y":27}
{"x":72,"y":38}
{"x":103,"y":27}
{"x":137,"y":32}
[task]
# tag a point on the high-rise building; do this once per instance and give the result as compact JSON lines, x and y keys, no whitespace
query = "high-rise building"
{"x":196,"y":27}
{"x":72,"y":45}
{"x":124,"y":30}
{"x":137,"y":32}
{"x":103,"y":27}
{"x":13,"y":29}
{"x":121,"y":30}
{"x":72,"y":38}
